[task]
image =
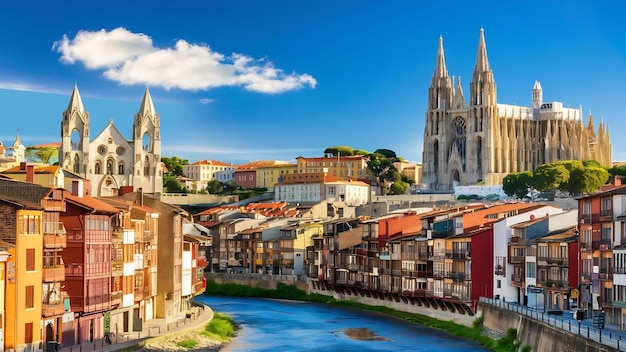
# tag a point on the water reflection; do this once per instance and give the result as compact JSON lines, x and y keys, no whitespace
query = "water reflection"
{"x":271,"y":325}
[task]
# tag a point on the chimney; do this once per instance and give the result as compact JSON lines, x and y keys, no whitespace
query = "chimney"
{"x":22,"y":166}
{"x":30,"y":173}
{"x":140,"y":196}
{"x":617,"y":180}
{"x":77,"y":188}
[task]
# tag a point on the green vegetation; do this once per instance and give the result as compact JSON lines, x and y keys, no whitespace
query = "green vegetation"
{"x":291,"y":292}
{"x":222,"y":328}
{"x":41,"y":154}
{"x":569,"y":176}
{"x":188,"y":343}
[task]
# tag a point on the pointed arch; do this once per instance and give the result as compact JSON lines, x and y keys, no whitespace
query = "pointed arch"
{"x":108,"y":186}
{"x":110,"y":164}
{"x":98,"y":168}
{"x":75,"y":140}
{"x":146,"y":142}
{"x":76,"y":163}
{"x":146,"y":166}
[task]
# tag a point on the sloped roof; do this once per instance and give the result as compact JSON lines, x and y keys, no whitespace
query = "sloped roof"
{"x":26,"y":191}
{"x":91,"y":203}
{"x":211,"y":162}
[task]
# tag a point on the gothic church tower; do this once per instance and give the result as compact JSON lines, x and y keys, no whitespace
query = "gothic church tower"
{"x":483,"y":141}
{"x":110,"y":161}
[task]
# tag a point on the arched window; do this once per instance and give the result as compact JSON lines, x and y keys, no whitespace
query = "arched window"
{"x":147,"y":142}
{"x":75,"y":140}
{"x":98,"y":168}
{"x":109,"y":167}
{"x":120,"y":168}
{"x":146,"y":167}
{"x":76,"y":164}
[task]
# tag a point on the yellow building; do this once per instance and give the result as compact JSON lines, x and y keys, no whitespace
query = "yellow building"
{"x":268,"y":175}
{"x":347,"y":167}
{"x":23,"y":274}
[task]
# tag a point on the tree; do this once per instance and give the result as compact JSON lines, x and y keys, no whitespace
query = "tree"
{"x":548,"y":177}
{"x":399,"y":187}
{"x":174,"y":165}
{"x":230,"y":187}
{"x":214,"y":187}
{"x":517,"y":184}
{"x":41,"y":154}
{"x":387,"y":153}
{"x":339,"y":150}
{"x":172,"y":185}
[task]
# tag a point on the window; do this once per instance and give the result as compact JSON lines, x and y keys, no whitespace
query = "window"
{"x":30,"y":297}
{"x":499,"y":283}
{"x":28,"y":333}
{"x":120,"y":169}
{"x":531,"y":269}
{"x":98,"y":169}
{"x":30,"y":259}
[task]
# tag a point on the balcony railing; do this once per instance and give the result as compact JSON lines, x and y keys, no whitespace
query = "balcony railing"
{"x":553,"y":260}
{"x":148,"y":235}
{"x":138,"y":294}
{"x":585,"y":247}
{"x":54,"y":273}
{"x":74,"y":270}
{"x":459,"y":276}
{"x":457,"y":254}
{"x":517,"y":280}
{"x":116,"y":297}
{"x":584,"y":277}
{"x":516,"y":259}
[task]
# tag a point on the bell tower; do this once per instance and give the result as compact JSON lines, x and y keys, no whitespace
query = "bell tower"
{"x":74,"y":151}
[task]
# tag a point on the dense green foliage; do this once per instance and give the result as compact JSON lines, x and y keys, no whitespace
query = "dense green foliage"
{"x":172,"y":185}
{"x":174,"y":165}
{"x":41,"y":154}
{"x":573,"y":177}
{"x":222,"y":327}
{"x":283,"y":291}
{"x":343,"y":150}
{"x":517,"y":184}
{"x":214,"y":187}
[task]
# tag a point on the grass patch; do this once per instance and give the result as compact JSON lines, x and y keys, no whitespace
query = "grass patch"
{"x":291,"y":292}
{"x":222,"y":328}
{"x":188,"y":343}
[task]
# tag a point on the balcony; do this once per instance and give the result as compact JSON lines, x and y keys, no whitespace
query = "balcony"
{"x":53,"y":273}
{"x":605,"y":245}
{"x":459,"y":276}
{"x":457,"y":255}
{"x":515,"y":239}
{"x":74,"y":270}
{"x":606,"y":214}
{"x":117,"y":268}
{"x":517,"y":280}
{"x":553,"y":260}
{"x":51,"y":204}
{"x":138,"y":294}
{"x":516,"y":259}
{"x":116,"y":297}
{"x":53,"y":307}
{"x":418,"y":293}
{"x":148,"y":236}
{"x":117,"y":235}
{"x":54,"y":235}
{"x":606,"y":274}
{"x":619,"y":304}
{"x":585,"y":247}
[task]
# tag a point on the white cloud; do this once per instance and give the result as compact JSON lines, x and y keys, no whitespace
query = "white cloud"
{"x":206,"y":101}
{"x":131,"y":58}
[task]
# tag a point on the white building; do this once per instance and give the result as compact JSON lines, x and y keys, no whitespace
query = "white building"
{"x":317,"y":187}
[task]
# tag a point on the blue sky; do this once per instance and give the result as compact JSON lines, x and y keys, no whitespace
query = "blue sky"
{"x":245,"y":80}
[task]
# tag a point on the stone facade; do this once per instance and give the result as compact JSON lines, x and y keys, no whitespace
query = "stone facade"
{"x":484,"y":141}
{"x":111,"y":161}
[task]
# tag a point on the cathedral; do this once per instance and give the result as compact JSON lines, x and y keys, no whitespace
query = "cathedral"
{"x":482,"y":141}
{"x":110,"y":161}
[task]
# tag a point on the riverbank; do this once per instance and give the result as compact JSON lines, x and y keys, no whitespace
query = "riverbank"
{"x":290,"y":292}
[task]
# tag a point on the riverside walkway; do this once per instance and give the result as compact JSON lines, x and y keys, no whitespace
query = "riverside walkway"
{"x":610,"y":335}
{"x":199,"y":316}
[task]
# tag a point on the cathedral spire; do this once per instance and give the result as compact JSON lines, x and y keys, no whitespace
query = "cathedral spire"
{"x":440,"y":92}
{"x":590,"y":125}
{"x":75,"y":101}
{"x":482,"y":63}
{"x":147,"y":107}
{"x":440,"y":67}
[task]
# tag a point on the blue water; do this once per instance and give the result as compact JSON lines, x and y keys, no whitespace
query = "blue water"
{"x":273,"y":325}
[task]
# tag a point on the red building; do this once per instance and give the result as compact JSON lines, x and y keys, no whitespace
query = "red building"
{"x":87,"y":259}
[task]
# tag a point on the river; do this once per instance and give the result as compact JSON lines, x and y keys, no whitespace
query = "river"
{"x":274,"y":325}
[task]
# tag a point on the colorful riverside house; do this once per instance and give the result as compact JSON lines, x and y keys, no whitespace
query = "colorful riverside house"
{"x":134,"y":266}
{"x":22,"y":228}
{"x":87,"y":260}
{"x":602,"y":243}
{"x":55,"y":303}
